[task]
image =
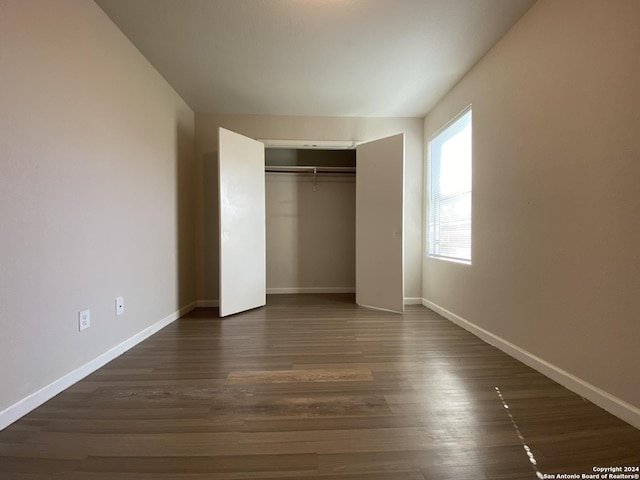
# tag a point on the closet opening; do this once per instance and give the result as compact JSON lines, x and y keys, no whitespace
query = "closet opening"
{"x":310,"y":206}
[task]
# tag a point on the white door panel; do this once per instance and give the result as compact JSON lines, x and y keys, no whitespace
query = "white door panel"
{"x":379,"y":224}
{"x":242,"y":223}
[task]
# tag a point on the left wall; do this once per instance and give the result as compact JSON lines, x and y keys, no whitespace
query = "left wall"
{"x":96,"y":197}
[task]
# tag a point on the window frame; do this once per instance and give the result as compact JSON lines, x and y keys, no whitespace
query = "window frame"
{"x":429,"y":251}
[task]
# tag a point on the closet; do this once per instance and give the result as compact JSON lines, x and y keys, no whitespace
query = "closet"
{"x":310,"y":197}
{"x":375,"y":240}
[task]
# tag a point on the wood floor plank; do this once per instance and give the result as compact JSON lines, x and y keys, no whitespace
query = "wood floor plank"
{"x":300,"y":463}
{"x":401,"y":475}
{"x":312,"y":387}
{"x":301,"y":375}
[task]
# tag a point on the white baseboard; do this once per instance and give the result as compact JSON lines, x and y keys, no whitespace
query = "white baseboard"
{"x":31,"y":402}
{"x":412,"y":301}
{"x":612,"y":404}
{"x":397,"y":312}
{"x":207,"y":303}
{"x":278,"y":291}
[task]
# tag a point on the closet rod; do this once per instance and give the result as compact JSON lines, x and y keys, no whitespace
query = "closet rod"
{"x":308,"y":169}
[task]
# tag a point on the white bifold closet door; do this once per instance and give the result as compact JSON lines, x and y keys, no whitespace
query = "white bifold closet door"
{"x":243,"y":283}
{"x":379,"y":224}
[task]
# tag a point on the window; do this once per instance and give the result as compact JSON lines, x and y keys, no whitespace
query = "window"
{"x":449,"y":184}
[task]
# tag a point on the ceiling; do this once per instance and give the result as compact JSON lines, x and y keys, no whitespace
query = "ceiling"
{"x":314,"y":57}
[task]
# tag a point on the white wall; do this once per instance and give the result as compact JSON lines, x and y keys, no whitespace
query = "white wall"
{"x":305,"y":128}
{"x":311,"y":235}
{"x":96,"y":192}
{"x":556,"y":202}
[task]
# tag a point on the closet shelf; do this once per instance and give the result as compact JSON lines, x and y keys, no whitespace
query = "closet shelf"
{"x":308,"y":169}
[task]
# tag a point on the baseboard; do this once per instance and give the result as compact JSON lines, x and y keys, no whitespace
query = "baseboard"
{"x":412,"y":301}
{"x":612,"y":404}
{"x":207,"y":303}
{"x":397,"y":312}
{"x":278,"y":291}
{"x":31,"y":402}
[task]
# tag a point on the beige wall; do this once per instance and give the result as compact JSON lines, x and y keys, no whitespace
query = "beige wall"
{"x":96,"y":191}
{"x":556,"y":202}
{"x":305,"y":128}
{"x":311,"y":235}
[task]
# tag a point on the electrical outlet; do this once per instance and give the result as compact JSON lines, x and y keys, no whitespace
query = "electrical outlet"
{"x":84,"y":319}
{"x":119,"y":306}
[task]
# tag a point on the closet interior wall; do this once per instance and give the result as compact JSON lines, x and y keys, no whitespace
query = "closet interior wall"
{"x":310,"y":225}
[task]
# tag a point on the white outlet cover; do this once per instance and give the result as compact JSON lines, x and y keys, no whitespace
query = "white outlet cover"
{"x":119,"y":306}
{"x":84,"y":319}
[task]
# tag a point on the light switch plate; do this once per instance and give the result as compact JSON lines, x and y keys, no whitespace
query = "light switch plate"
{"x":119,"y":306}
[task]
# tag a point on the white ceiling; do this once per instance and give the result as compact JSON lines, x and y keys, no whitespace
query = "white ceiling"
{"x":314,"y":57}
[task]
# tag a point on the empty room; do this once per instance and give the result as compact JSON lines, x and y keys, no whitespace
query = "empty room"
{"x":319,"y":239}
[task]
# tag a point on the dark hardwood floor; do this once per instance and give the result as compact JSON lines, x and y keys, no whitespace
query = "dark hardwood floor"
{"x":313,"y":387}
